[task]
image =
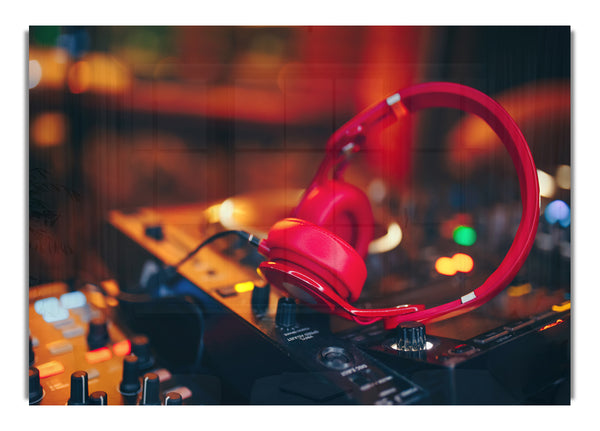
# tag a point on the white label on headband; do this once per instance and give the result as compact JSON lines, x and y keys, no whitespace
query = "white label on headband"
{"x":467,"y":297}
{"x":394,"y":98}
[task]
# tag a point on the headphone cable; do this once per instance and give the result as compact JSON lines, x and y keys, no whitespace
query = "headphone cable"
{"x":246,"y":236}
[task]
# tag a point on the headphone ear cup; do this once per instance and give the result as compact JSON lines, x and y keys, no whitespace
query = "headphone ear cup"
{"x":342,"y":209}
{"x":315,"y":250}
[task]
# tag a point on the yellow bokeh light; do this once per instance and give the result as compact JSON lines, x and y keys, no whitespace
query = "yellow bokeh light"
{"x":547,"y":184}
{"x":445,"y":266}
{"x":563,"y":177}
{"x":245,"y":286}
{"x":462,"y":262}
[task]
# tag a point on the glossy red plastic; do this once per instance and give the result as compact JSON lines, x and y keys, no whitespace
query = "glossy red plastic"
{"x":342,"y":209}
{"x":319,"y":271}
{"x":304,"y":245}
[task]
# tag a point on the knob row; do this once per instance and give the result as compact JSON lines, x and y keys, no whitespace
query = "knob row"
{"x":130,"y":386}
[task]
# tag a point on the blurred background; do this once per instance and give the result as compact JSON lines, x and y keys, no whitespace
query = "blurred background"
{"x":123,"y":117}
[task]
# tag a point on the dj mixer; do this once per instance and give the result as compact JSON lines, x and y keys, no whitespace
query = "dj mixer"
{"x":218,"y":333}
{"x":315,"y":296}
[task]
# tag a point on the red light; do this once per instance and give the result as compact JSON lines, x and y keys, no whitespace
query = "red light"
{"x":122,"y":348}
{"x":551,"y":325}
{"x":98,"y":355}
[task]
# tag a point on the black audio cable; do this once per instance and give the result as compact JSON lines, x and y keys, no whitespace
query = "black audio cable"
{"x":248,"y":237}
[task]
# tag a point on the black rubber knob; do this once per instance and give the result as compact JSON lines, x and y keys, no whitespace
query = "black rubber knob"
{"x":173,"y":399}
{"x":98,"y":398}
{"x":130,"y":383}
{"x":260,"y":298}
{"x":98,"y":333}
{"x":31,"y":352}
{"x":140,"y":347}
{"x":79,"y":389}
{"x":286,"y":312}
{"x":150,"y":390}
{"x":36,"y":392}
{"x":410,"y":336}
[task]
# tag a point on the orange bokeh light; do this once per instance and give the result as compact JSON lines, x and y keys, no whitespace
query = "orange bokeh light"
{"x":79,"y":77}
{"x":460,"y":262}
{"x":49,"y":129}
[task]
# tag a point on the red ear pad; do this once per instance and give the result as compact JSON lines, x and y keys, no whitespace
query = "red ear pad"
{"x":320,"y":252}
{"x":340,"y":208}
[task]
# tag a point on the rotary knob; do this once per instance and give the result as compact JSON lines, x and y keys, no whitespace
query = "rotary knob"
{"x":150,"y":390}
{"x":140,"y":347}
{"x":130,"y":383}
{"x":98,"y":398}
{"x":260,"y":298}
{"x":410,"y":337}
{"x":79,"y":389}
{"x":36,"y":392}
{"x":31,"y":352}
{"x":98,"y":333}
{"x":286,"y":312}
{"x":173,"y":399}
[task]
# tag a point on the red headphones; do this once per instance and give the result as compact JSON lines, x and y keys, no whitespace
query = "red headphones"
{"x":317,"y":255}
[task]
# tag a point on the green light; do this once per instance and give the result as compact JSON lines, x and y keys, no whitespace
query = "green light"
{"x":464,"y":235}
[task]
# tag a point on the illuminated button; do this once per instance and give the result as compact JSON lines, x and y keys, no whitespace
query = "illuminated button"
{"x":551,"y":325}
{"x":98,"y":355}
{"x":562,"y":307}
{"x":50,"y":369}
{"x":64,"y":322}
{"x":73,"y":300}
{"x":59,"y":347}
{"x":246,"y":286}
{"x":73,"y":331}
{"x":122,"y":348}
{"x":56,"y":315}
{"x":40,"y":306}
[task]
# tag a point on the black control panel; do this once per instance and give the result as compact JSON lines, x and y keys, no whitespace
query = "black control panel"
{"x":216,"y":333}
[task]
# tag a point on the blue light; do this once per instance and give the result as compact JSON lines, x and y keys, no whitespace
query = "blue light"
{"x":559,"y":212}
{"x":73,"y":300}
{"x":42,"y":306}
{"x":56,"y":315}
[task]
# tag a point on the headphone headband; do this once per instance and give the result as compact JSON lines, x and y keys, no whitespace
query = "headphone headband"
{"x":410,"y":100}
